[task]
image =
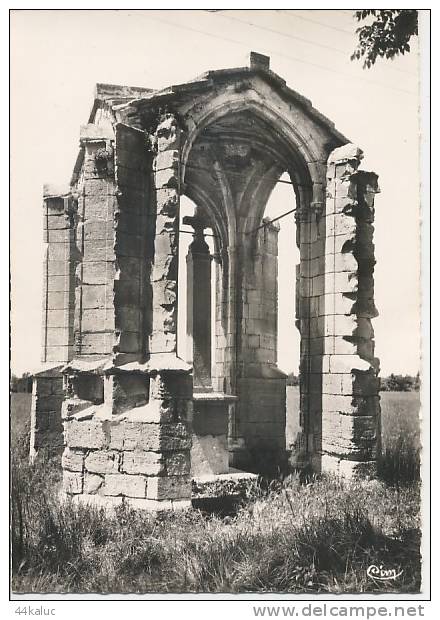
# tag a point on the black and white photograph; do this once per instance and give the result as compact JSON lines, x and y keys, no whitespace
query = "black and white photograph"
{"x":219,"y":306}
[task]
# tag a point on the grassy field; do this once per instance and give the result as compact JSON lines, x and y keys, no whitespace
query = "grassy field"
{"x":399,"y":417}
{"x":20,"y":414}
{"x":313,"y":536}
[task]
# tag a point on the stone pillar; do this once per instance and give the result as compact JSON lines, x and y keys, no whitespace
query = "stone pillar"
{"x":261,"y":386}
{"x":95,"y":273}
{"x":350,"y":384}
{"x":134,"y":244}
{"x":310,"y":321}
{"x":220,"y":381}
{"x":166,"y":241}
{"x":198,"y":263}
{"x":59,"y":274}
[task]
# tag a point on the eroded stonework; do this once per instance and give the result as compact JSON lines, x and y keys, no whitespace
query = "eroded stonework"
{"x":138,"y":423}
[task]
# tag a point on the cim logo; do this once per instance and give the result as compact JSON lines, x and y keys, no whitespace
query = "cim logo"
{"x":381,"y":573}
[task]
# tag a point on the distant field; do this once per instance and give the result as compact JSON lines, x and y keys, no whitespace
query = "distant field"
{"x":400,"y":416}
{"x":20,"y":414}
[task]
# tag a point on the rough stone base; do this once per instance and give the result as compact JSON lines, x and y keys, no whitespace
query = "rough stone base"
{"x":110,"y":503}
{"x":209,"y":455}
{"x":46,"y":424}
{"x":348,"y":469}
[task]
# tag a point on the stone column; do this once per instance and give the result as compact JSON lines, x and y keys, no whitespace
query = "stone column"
{"x":198,"y":263}
{"x":350,"y":385}
{"x":59,"y":229}
{"x":310,"y":322}
{"x":166,"y":241}
{"x":95,"y":273}
{"x":261,"y":386}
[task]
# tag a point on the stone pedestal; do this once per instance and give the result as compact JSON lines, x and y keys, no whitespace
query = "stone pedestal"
{"x":133,"y":447}
{"x":211,"y":427}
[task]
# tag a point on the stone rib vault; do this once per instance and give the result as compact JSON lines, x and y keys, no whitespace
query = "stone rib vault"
{"x":139,"y":422}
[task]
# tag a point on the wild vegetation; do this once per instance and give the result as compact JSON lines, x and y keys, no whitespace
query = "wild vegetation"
{"x":294,"y":535}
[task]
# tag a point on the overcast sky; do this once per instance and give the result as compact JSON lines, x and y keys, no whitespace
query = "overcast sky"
{"x":58,"y":56}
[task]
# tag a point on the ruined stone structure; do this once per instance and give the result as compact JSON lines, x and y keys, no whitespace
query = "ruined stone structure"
{"x":140,"y":422}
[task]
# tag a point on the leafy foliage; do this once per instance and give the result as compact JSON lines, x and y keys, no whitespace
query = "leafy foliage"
{"x":388,"y":35}
{"x":21,"y":384}
{"x":400,"y":383}
{"x":292,"y":379}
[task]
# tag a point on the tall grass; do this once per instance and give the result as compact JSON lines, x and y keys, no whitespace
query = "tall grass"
{"x":290,"y":537}
{"x":399,"y":460}
{"x":313,"y":535}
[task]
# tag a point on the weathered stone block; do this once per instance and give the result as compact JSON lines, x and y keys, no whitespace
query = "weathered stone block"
{"x":167,"y":386}
{"x":125,"y":485}
{"x":177,"y":463}
{"x":98,"y":250}
{"x":84,"y":434}
{"x":73,"y":460}
{"x":97,"y":296}
{"x":57,"y":354}
{"x":100,"y":201}
{"x":59,"y":251}
{"x":57,"y":300}
{"x":169,"y":487}
{"x":97,"y":318}
{"x":94,"y":230}
{"x":126,"y":435}
{"x":92,"y":483}
{"x":147,"y":463}
{"x":348,"y":363}
{"x":102,"y":462}
{"x":59,"y":283}
{"x":97,"y":343}
{"x":59,"y":318}
{"x":107,"y":502}
{"x":98,"y":272}
{"x":157,"y":506}
{"x":351,"y":404}
{"x":57,"y":336}
{"x":72,"y":482}
{"x":125,"y":391}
